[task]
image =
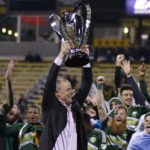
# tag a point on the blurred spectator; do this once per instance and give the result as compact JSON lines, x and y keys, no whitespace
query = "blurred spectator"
{"x":92,"y":90}
{"x":96,"y":137}
{"x":109,"y":90}
{"x":141,"y":140}
{"x":25,"y":134}
{"x":29,"y":57}
{"x":68,"y":77}
{"x":22,"y":103}
{"x":30,"y":35}
{"x":93,"y":54}
{"x":72,"y":80}
{"x":91,"y":111}
{"x":7,"y":106}
{"x":1,"y":87}
{"x":33,"y":58}
{"x":113,"y":102}
{"x":10,"y":142}
{"x":86,"y":103}
{"x":14,"y":115}
{"x":37,"y":58}
{"x":140,"y":126}
{"x":109,"y":56}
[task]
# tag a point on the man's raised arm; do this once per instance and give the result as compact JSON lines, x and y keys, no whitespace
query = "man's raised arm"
{"x":9,"y":103}
{"x":50,"y":85}
{"x":138,"y":95}
{"x":87,"y":79}
{"x":100,"y":99}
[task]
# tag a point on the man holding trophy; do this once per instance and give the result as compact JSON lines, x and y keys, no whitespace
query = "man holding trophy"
{"x":62,"y":116}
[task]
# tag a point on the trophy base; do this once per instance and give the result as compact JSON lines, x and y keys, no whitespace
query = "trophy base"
{"x":77,"y":59}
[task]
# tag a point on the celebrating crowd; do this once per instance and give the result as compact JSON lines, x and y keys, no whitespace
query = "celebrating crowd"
{"x":79,"y":120}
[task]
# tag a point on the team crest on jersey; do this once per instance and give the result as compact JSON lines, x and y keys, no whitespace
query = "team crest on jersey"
{"x":93,"y":139}
{"x":134,"y":114}
{"x":125,"y":135}
{"x":103,"y":146}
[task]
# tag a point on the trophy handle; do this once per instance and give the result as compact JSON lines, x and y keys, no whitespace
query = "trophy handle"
{"x":59,"y":27}
{"x":81,"y":24}
{"x":87,"y":24}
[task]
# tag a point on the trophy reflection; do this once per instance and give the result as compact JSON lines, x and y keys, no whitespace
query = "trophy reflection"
{"x":74,"y":26}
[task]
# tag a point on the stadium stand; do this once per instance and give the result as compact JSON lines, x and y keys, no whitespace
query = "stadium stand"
{"x":29,"y":78}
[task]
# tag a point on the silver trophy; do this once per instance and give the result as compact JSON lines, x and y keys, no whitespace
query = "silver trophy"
{"x":74,"y":26}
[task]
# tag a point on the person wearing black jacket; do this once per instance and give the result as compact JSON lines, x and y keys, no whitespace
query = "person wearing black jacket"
{"x":61,"y":108}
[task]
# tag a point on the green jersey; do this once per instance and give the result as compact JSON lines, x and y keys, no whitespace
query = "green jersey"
{"x":97,"y":140}
{"x":143,"y":87}
{"x":115,"y":141}
{"x":11,"y":141}
{"x":25,"y":135}
{"x":134,"y":114}
{"x":29,"y":136}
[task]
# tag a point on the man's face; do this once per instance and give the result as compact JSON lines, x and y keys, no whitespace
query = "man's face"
{"x":13,"y":114}
{"x":113,"y":105}
{"x":65,"y":92}
{"x":120,"y":116}
{"x":118,"y":124}
{"x":147,"y":124}
{"x":33,"y":115}
{"x":127,"y":97}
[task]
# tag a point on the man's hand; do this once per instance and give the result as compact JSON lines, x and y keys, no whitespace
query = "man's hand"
{"x":65,"y":47}
{"x":142,"y":71}
{"x":9,"y":70}
{"x":85,"y":49}
{"x":119,"y":59}
{"x":126,"y":67}
{"x":100,"y":80}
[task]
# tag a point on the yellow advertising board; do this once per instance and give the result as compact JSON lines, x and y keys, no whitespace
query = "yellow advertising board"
{"x":2,"y":10}
{"x":111,"y":43}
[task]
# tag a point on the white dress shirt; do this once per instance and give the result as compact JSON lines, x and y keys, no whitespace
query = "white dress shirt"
{"x":67,"y":140}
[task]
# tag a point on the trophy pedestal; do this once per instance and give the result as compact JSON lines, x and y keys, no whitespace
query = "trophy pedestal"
{"x":77,"y":59}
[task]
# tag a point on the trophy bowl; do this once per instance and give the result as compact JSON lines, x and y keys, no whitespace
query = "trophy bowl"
{"x":74,"y":26}
{"x":76,"y":58}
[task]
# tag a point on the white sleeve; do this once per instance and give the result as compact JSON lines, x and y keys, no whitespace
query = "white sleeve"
{"x":134,"y":141}
{"x":140,"y":126}
{"x":87,"y":65}
{"x":58,"y":61}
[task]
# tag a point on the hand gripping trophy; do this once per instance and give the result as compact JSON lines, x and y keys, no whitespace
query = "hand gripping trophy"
{"x":74,"y":26}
